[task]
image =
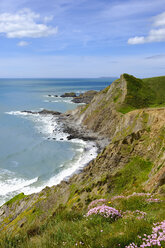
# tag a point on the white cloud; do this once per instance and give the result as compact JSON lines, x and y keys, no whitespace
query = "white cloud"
{"x":136,"y":40}
{"x":24,"y":23}
{"x":23,"y":43}
{"x":160,"y":20}
{"x":155,"y":35}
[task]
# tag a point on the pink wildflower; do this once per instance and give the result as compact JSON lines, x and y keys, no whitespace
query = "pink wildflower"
{"x":157,"y":238}
{"x":153,"y":200}
{"x":137,"y":213}
{"x":105,"y":211}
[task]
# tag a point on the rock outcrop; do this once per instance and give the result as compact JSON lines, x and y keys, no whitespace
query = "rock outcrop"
{"x":101,"y":115}
{"x":42,"y":112}
{"x":69,"y":94}
{"x":85,"y":97}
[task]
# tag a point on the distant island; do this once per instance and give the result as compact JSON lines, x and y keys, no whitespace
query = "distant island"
{"x":118,"y":199}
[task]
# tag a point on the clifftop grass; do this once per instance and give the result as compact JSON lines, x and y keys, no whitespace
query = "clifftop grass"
{"x":143,"y":93}
{"x":157,"y":85}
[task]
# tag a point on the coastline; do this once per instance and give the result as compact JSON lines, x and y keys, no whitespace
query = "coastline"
{"x":128,"y":175}
{"x":90,"y":145}
{"x":72,"y":129}
{"x":78,"y":131}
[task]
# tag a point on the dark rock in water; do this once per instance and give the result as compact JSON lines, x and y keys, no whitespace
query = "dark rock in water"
{"x":42,"y":112}
{"x":70,"y":94}
{"x":80,"y":136}
{"x":45,"y":111}
{"x":85,"y":97}
{"x":88,"y":138}
{"x":70,"y":137}
{"x":29,"y":112}
{"x":53,"y":95}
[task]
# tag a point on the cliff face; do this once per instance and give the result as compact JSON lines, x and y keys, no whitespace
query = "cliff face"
{"x":101,"y":115}
{"x":105,"y":113}
{"x":134,"y":160}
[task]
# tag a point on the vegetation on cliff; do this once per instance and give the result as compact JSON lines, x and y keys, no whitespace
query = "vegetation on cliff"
{"x":127,"y":178}
{"x":143,"y":93}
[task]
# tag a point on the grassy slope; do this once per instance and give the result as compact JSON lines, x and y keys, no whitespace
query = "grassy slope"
{"x":143,"y":93}
{"x":157,"y":84}
{"x":71,"y":229}
{"x":67,"y":226}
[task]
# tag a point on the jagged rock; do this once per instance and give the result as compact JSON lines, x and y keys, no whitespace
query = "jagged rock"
{"x":69,"y":94}
{"x":85,"y":97}
{"x":2,"y":211}
{"x":45,"y":111}
{"x":42,"y":112}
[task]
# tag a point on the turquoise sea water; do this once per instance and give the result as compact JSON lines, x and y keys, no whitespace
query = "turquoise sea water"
{"x":32,"y":155}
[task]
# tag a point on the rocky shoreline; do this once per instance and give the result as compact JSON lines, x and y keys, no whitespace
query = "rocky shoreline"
{"x":78,"y":98}
{"x":77,"y":131}
{"x":74,"y":130}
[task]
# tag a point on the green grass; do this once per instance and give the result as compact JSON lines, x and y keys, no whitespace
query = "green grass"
{"x":15,"y":199}
{"x":125,"y":109}
{"x":143,"y":93}
{"x":131,"y":177}
{"x":157,"y":84}
{"x":67,"y":227}
{"x":84,"y":109}
{"x":72,"y":229}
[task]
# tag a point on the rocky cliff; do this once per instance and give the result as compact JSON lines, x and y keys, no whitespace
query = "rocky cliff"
{"x":133,"y":161}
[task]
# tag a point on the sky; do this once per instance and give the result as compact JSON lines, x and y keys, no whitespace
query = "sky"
{"x":81,"y":38}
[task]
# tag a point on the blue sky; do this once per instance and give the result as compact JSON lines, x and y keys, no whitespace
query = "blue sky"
{"x":82,"y":38}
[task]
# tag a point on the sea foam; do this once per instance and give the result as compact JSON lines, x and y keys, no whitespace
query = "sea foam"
{"x":11,"y":185}
{"x":49,"y":128}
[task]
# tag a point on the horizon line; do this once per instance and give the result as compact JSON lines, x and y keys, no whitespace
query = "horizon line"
{"x":58,"y":77}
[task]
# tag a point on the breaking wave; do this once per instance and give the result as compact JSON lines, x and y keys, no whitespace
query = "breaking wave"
{"x":48,"y":126}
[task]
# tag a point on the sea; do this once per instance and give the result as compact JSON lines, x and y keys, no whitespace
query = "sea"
{"x":34,"y":150}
